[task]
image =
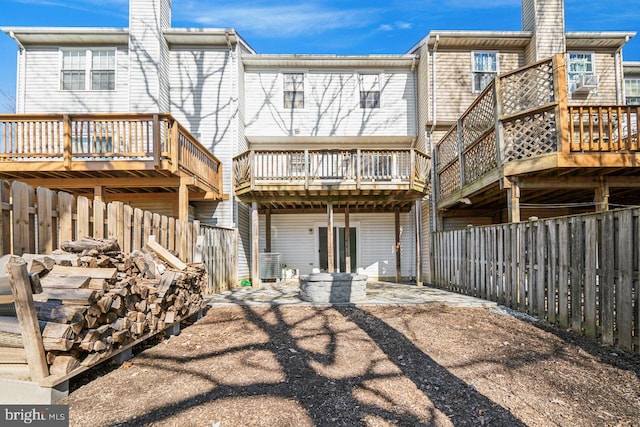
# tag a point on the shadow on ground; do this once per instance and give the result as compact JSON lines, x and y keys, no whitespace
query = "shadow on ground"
{"x":338,"y":399}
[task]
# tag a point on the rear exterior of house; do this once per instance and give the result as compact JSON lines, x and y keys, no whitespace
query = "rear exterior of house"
{"x":306,"y":147}
{"x":333,"y":136}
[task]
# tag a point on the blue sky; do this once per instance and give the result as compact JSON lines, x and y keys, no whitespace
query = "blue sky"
{"x":316,"y":26}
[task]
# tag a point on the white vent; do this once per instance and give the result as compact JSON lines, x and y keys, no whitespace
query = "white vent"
{"x":586,"y":83}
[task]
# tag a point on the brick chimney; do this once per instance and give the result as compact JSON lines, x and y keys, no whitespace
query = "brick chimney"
{"x":149,"y":56}
{"x":545,"y":18}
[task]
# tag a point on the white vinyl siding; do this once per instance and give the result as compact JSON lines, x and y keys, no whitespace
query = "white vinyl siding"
{"x":203,"y":94}
{"x":298,"y":246}
{"x":484,"y":68}
{"x":41,"y":81}
{"x":332,"y":105}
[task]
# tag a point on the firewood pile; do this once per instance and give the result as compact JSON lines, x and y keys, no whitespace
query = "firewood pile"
{"x":92,"y":299}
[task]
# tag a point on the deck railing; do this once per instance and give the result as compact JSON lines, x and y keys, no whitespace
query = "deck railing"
{"x":309,"y":166}
{"x":73,"y":138}
{"x":522,"y":115}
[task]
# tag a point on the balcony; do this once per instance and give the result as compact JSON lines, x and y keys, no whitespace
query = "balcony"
{"x":362,"y":179}
{"x":521,"y":132}
{"x":120,"y":153}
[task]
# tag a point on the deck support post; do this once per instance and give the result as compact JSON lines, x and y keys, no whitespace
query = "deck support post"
{"x":418,"y":221}
{"x":330,"y":246}
{"x":98,"y":193}
{"x":601,"y":197}
{"x":183,"y":213}
{"x":347,"y":241}
{"x":255,"y":246}
{"x":398,"y":254}
{"x":267,"y":230}
{"x":513,"y":201}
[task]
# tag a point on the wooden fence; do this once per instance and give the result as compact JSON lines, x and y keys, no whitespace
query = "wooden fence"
{"x":38,"y":221}
{"x":580,"y":271}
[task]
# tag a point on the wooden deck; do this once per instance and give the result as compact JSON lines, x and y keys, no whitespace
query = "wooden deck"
{"x":362,"y":179}
{"x":521,"y":133}
{"x":118,"y":153}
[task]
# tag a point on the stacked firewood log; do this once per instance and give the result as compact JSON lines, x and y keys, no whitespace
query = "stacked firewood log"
{"x":92,"y":299}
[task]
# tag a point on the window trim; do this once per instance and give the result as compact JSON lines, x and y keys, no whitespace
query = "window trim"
{"x":634,"y":94}
{"x":378,"y":104}
{"x":495,"y":73}
{"x":284,"y":73}
{"x":571,"y":82}
{"x":88,"y":68}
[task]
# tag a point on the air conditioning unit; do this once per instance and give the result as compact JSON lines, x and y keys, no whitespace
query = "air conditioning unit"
{"x":586,"y":83}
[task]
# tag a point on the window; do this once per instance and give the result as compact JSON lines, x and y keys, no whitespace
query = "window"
{"x":580,"y":64}
{"x":96,"y":66}
{"x":103,"y":70}
{"x":632,"y":91}
{"x":73,"y":70}
{"x":293,"y":84}
{"x":484,"y":69}
{"x":369,"y":91}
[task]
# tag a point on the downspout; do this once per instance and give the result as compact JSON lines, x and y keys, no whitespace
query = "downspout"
{"x":620,"y":74}
{"x":434,"y":121}
{"x":21,"y":74}
{"x":415,"y":104}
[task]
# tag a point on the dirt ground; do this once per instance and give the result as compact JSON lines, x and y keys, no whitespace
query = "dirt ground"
{"x":369,"y":366}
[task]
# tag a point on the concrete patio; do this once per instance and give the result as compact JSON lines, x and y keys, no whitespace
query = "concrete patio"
{"x":378,"y":293}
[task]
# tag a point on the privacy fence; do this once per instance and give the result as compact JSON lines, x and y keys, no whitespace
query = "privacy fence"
{"x":39,"y":220}
{"x":580,"y":271}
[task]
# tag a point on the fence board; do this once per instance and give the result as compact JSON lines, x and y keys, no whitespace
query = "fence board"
{"x":5,"y":217}
{"x":541,"y":253}
{"x":82,"y":217}
{"x":45,"y":220}
{"x":127,"y":234}
{"x":522,"y":266}
{"x":65,"y":216}
{"x":552,"y":269}
{"x":563,"y":272}
{"x":99,"y":208}
{"x":576,"y":269}
{"x":138,"y":216}
{"x":607,"y":281}
{"x":23,"y":232}
{"x":591,"y":250}
{"x":624,"y":289}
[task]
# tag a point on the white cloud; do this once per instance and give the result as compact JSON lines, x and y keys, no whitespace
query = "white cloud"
{"x":385,"y":27}
{"x":276,"y":20}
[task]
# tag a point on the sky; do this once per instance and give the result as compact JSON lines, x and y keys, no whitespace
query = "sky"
{"x":342,"y":27}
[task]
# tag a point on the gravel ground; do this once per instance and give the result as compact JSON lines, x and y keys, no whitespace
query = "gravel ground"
{"x":427,"y":365}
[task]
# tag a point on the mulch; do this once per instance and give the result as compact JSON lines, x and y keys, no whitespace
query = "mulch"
{"x":364,"y":366}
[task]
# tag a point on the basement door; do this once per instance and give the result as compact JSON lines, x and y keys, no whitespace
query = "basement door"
{"x":338,"y":243}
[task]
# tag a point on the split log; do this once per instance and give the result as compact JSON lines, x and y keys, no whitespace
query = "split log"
{"x":165,"y":255}
{"x":93,"y":273}
{"x":55,"y":281}
{"x":69,"y":296}
{"x":63,"y":364}
{"x":88,"y":244}
{"x":12,"y":355}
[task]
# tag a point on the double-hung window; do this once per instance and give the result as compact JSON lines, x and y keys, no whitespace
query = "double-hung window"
{"x":581,"y":64}
{"x":484,"y":69}
{"x":88,"y":69}
{"x":369,"y":90}
{"x":632,"y":91}
{"x":293,"y":84}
